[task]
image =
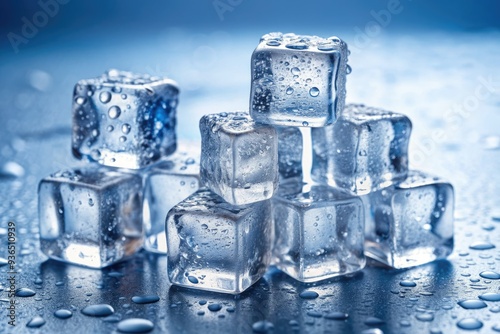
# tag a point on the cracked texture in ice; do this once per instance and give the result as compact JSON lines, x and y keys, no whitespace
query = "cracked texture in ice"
{"x":319,"y":233}
{"x":123,"y":119}
{"x":298,"y":80}
{"x":365,"y":150}
{"x":91,"y":217}
{"x":239,"y":159}
{"x":410,"y":223}
{"x":213,"y":245}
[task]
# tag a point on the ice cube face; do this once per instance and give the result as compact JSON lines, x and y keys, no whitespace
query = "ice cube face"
{"x":298,"y":80}
{"x":319,"y":233}
{"x":123,"y":119}
{"x":215,"y":246}
{"x":290,"y":147}
{"x":91,"y":217}
{"x":167,"y":183}
{"x":365,"y":150}
{"x":239,"y":159}
{"x":410,"y":223}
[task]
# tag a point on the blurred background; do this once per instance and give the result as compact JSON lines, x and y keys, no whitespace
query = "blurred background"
{"x":436,"y":61}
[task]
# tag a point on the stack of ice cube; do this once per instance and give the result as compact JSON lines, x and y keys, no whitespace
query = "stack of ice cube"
{"x":124,"y":125}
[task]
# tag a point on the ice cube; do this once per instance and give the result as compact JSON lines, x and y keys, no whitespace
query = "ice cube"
{"x":290,"y":147}
{"x":318,"y":232}
{"x":410,"y":223}
{"x":239,"y":159}
{"x":123,"y":119}
{"x":167,"y":183}
{"x":213,"y":245}
{"x":365,"y":150}
{"x":91,"y":217}
{"x":298,"y":80}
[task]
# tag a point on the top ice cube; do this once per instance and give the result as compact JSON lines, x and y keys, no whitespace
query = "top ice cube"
{"x":123,"y":119}
{"x":298,"y":80}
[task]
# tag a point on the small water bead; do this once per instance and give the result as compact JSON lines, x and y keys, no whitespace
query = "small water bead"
{"x":98,"y":310}
{"x":305,"y":123}
{"x":472,"y":304}
{"x":425,"y":317}
{"x":36,"y":322}
{"x":308,"y":294}
{"x":314,"y":314}
{"x":123,"y":139}
{"x":289,"y":91}
{"x":336,"y":316}
{"x":273,"y":43}
{"x":91,"y":202}
{"x":126,"y":128}
{"x":146,"y":299}
{"x":80,"y":100}
{"x":469,"y":324}
{"x":374,"y":321}
{"x":215,"y":307}
{"x":263,"y":327}
{"x":135,"y":325}
{"x":193,"y":279}
{"x":326,"y":47}
{"x":114,"y":112}
{"x":408,"y":284}
{"x":110,"y":128}
{"x":314,"y":91}
{"x":297,"y":46}
{"x":25,"y":292}
{"x":481,"y":245}
{"x":496,"y":328}
{"x":348,"y":69}
{"x":105,"y":97}
{"x":295,"y":71}
{"x":63,"y":314}
{"x":490,"y":296}
{"x":489,"y":275}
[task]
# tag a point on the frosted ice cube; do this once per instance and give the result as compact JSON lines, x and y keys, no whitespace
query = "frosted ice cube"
{"x":167,"y":183}
{"x":318,"y":232}
{"x":365,"y":150}
{"x":213,"y":245}
{"x":298,"y":80}
{"x":410,"y":223}
{"x":123,"y":119}
{"x":239,"y":159}
{"x":91,"y":217}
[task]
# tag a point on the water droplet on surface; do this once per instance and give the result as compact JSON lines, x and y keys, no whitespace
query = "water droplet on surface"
{"x":489,"y":274}
{"x":469,"y":324}
{"x":295,"y":71}
{"x":490,"y":297}
{"x":25,"y":292}
{"x":263,"y":327}
{"x":105,"y":97}
{"x":11,"y":169}
{"x":496,"y":328}
{"x":4,"y":262}
{"x":98,"y":310}
{"x":348,"y":69}
{"x":114,"y":112}
{"x":126,"y":128}
{"x":215,"y":307}
{"x":425,"y":317}
{"x":408,"y":284}
{"x":63,"y":314}
{"x":374,"y":321}
{"x":472,"y":304}
{"x":314,"y":91}
{"x":336,"y":316}
{"x":135,"y":325}
{"x":80,"y":100}
{"x":273,"y":43}
{"x":193,"y":279}
{"x":36,"y":322}
{"x":308,"y":295}
{"x":481,"y":245}
{"x":146,"y":299}
{"x":289,"y":91}
{"x":91,"y":202}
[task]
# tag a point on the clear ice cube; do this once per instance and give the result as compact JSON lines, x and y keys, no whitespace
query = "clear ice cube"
{"x":365,"y":150}
{"x":298,"y":80}
{"x":239,"y":159}
{"x":319,"y":232}
{"x":167,"y":183}
{"x":410,"y":223}
{"x":91,"y":217}
{"x":216,"y":246}
{"x":290,"y":147}
{"x":123,"y":119}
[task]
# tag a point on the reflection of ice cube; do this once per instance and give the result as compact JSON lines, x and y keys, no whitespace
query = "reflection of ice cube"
{"x":365,"y":150}
{"x":298,"y":80}
{"x":167,"y":183}
{"x":410,"y":223}
{"x":290,"y":149}
{"x":239,"y":159}
{"x":90,"y":217}
{"x":124,"y":120}
{"x":213,"y":245}
{"x":319,"y":233}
